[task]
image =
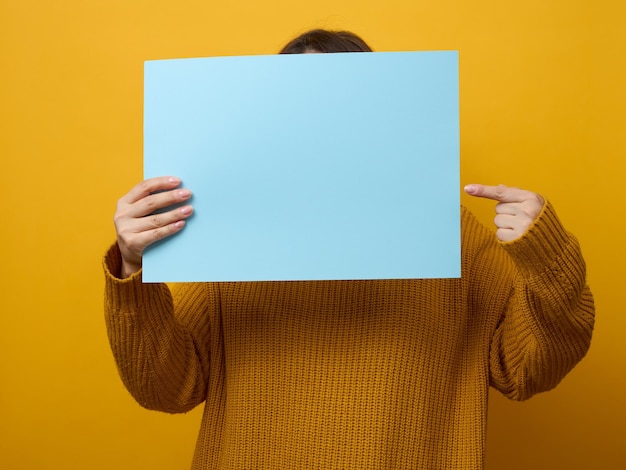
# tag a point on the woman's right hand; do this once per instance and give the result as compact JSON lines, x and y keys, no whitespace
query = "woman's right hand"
{"x":136,"y":223}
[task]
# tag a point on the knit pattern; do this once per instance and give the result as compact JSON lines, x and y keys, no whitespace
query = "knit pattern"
{"x":381,"y":374}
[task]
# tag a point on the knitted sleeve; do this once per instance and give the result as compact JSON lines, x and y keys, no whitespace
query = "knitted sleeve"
{"x":547,"y":324}
{"x":162,"y":358}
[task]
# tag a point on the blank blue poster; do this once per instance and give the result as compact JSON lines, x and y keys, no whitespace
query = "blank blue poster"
{"x":307,"y":167}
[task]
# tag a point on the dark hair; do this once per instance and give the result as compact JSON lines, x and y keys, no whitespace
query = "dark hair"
{"x":322,"y":40}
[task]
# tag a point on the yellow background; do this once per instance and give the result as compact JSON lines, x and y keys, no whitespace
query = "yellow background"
{"x":543,"y":106}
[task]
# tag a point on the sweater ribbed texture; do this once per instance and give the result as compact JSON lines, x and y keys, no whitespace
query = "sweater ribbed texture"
{"x":385,"y":374}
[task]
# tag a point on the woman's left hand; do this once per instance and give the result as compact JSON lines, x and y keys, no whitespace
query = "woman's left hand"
{"x":516,"y":210}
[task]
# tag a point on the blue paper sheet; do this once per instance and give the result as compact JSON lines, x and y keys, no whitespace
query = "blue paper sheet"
{"x":307,"y":167}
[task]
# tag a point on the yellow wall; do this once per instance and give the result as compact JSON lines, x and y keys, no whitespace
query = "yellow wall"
{"x":543,"y":106}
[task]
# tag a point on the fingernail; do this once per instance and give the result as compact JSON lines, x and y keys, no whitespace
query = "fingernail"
{"x":470,"y":188}
{"x":184,"y":193}
{"x":185,"y":210}
{"x":174,"y":180}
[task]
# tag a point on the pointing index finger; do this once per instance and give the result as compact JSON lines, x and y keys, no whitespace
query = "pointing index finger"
{"x":500,"y":193}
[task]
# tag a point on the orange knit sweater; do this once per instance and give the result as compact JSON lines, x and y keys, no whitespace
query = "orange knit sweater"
{"x":356,"y":374}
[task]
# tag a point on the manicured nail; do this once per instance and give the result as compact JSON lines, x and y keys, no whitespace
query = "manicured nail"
{"x":184,"y":193}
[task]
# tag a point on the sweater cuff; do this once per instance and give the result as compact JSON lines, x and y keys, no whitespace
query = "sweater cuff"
{"x":127,"y":294}
{"x":545,"y":241}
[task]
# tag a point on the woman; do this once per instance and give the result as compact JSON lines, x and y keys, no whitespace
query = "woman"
{"x":349,"y":374}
